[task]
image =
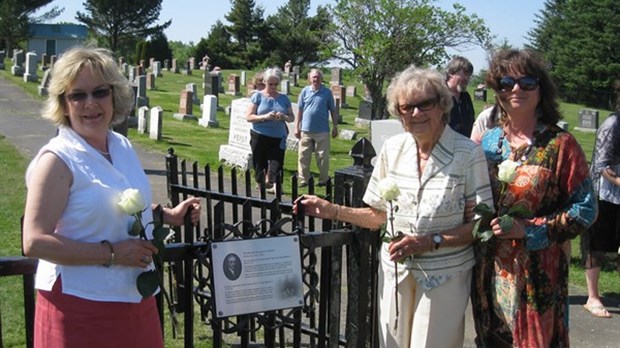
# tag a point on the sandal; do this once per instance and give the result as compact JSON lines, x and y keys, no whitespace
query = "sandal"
{"x":597,"y":311}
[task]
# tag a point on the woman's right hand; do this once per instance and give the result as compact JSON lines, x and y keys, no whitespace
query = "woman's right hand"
{"x":134,"y":252}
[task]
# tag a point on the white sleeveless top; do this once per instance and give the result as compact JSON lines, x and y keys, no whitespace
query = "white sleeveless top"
{"x":91,"y":215}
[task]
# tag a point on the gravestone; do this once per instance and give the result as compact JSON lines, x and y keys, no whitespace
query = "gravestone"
{"x":292,"y":143}
{"x":141,"y":98}
{"x":351,"y":91}
{"x":209,"y":112}
{"x":480,"y":94}
{"x":192,"y":63}
{"x":364,"y":115}
{"x":296,"y":70}
{"x":2,"y":58}
{"x":140,"y":70}
{"x":125,"y":70}
{"x":53,"y":60}
{"x":285,"y":87}
{"x":150,"y":80}
{"x":155,"y":123}
{"x":336,"y":78}
{"x":347,"y":134}
{"x":238,"y":152}
{"x":339,"y":92}
{"x":45,"y":82}
{"x":211,"y":85}
{"x":186,"y":106}
{"x":563,"y":125}
{"x":132,"y":74}
{"x":175,"y":67}
{"x":44,"y":62}
{"x":143,"y":115}
{"x":287,"y":67}
{"x":157,"y":68}
{"x":588,"y":120}
{"x":151,"y":61}
{"x":121,"y":60}
{"x":188,"y":68}
{"x":166,"y":66}
{"x":18,"y":63}
{"x":381,"y":130}
{"x":141,"y":62}
{"x":233,"y":85}
{"x":243,"y":77}
{"x":30,"y":75}
{"x":192,"y":87}
{"x":294,"y":78}
{"x":205,"y":63}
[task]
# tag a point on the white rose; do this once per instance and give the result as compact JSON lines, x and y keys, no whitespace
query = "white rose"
{"x":131,"y":202}
{"x":507,"y":171}
{"x":388,"y":189}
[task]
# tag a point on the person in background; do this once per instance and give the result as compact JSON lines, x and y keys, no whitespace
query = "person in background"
{"x":520,"y":281}
{"x":487,"y":119}
{"x":458,"y":73}
{"x":604,"y":236}
{"x":258,"y":83}
{"x":269,"y":112}
{"x":316,"y":103}
{"x":438,"y":172}
{"x":86,"y":277}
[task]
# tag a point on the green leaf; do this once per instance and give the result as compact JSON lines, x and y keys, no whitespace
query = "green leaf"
{"x":147,"y":283}
{"x":482,"y":230}
{"x":136,"y":228}
{"x":506,"y":223}
{"x":483,"y":209}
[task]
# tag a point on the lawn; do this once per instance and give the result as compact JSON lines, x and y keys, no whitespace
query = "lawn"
{"x":196,"y":143}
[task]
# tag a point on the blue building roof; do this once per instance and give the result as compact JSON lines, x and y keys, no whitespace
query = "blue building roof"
{"x":58,"y":31}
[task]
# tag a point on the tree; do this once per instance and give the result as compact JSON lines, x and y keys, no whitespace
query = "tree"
{"x":16,"y":17}
{"x":378,"y":38}
{"x":580,"y":42}
{"x":182,"y":52}
{"x":218,"y":46}
{"x":119,"y":24}
{"x":295,"y":36}
{"x":159,"y":48}
{"x":247,"y":26}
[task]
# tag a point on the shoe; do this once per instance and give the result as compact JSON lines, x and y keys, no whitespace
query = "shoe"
{"x":597,"y":311}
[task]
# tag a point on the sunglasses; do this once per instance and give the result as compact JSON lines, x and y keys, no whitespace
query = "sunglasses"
{"x":526,"y":83}
{"x":425,"y":105}
{"x":98,"y":94}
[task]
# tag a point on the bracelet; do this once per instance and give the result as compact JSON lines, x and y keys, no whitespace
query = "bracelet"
{"x":337,"y":213}
{"x":111,"y":259}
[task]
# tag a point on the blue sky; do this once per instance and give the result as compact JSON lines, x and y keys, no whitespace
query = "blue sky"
{"x":192,"y":19}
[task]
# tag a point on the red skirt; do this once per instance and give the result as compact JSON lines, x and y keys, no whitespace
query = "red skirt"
{"x":66,"y":321}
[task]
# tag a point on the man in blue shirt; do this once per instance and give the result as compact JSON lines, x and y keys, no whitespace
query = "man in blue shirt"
{"x":316,"y":103}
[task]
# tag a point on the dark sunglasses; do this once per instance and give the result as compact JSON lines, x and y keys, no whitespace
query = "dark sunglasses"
{"x":526,"y":83}
{"x":99,"y":93}
{"x":425,"y":105}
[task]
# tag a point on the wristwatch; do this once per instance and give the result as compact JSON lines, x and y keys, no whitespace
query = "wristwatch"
{"x":437,"y":239}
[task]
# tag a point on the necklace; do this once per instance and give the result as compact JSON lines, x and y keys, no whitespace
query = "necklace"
{"x":521,"y":153}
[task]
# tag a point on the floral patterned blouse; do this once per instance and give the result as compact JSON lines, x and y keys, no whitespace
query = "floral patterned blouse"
{"x":520,"y":288}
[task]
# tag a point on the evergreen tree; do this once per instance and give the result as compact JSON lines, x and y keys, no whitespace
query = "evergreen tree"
{"x":580,"y":41}
{"x":246,"y":27}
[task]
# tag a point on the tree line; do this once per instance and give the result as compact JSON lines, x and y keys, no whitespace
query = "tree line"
{"x":373,"y":39}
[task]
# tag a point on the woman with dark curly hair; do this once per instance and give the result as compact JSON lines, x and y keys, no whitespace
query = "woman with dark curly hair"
{"x":520,"y":281}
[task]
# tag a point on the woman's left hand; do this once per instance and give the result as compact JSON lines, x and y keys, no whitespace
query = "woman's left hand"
{"x":409,"y":245}
{"x":516,"y":232}
{"x":174,"y":216}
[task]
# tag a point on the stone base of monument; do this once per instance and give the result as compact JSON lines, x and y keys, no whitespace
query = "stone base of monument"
{"x":184,"y":117}
{"x":235,"y":156}
{"x":208,"y":123}
{"x":17,"y":70}
{"x":362,"y":122}
{"x":31,"y":78}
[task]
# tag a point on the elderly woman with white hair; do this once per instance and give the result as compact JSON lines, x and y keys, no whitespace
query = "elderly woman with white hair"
{"x":439,"y":173}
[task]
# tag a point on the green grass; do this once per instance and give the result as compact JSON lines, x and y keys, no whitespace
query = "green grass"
{"x":195,"y":143}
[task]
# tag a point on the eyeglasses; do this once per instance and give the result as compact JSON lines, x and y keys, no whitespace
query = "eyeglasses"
{"x":425,"y":105}
{"x":526,"y":83}
{"x":98,"y":94}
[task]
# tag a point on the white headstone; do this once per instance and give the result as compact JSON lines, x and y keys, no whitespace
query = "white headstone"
{"x":155,"y":123}
{"x":157,"y":68}
{"x":238,"y":152}
{"x":243,"y":77}
{"x":285,"y":87}
{"x":209,"y":112}
{"x":381,"y":130}
{"x":31,"y":68}
{"x":143,"y":113}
